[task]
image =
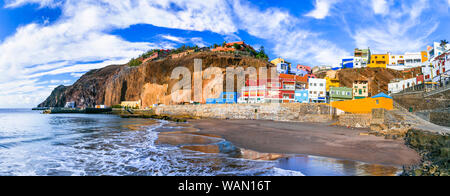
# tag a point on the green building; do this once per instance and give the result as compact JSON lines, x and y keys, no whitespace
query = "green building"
{"x":340,"y":94}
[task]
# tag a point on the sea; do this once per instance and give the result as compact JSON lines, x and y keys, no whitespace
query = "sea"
{"x":36,"y":144}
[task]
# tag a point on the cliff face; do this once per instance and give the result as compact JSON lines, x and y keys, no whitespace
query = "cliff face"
{"x":149,"y":82}
{"x":88,"y":91}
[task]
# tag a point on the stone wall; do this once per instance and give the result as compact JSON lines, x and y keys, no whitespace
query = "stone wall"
{"x":418,"y":102}
{"x":354,"y":120}
{"x":278,"y":112}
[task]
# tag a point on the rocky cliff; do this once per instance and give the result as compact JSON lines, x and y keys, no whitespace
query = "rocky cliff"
{"x":150,"y":82}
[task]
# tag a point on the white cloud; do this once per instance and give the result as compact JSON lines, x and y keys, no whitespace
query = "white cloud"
{"x":322,"y":9}
{"x":79,"y":36}
{"x":285,"y":32}
{"x":380,"y":6}
{"x":174,"y":38}
{"x":400,"y":30}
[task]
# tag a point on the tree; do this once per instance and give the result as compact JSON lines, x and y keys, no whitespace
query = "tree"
{"x":134,"y":62}
{"x":237,"y":46}
{"x":224,"y":43}
{"x":262,"y":54}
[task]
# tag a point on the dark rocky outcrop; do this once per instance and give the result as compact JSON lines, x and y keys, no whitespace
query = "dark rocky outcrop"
{"x":435,"y":151}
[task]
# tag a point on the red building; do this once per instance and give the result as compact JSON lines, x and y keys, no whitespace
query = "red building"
{"x":269,"y":91}
{"x":420,"y":79}
{"x":304,"y":67}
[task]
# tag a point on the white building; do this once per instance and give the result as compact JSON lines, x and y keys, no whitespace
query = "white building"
{"x":399,"y":85}
{"x":317,"y":91}
{"x":440,"y":68}
{"x":435,"y":50}
{"x":407,"y":60}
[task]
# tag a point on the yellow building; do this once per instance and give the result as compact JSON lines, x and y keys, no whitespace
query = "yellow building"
{"x":379,"y":60}
{"x":331,"y":82}
{"x":278,"y":60}
{"x":364,"y":106}
{"x":131,"y":104}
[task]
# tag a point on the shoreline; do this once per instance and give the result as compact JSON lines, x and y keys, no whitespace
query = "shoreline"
{"x":315,"y":139}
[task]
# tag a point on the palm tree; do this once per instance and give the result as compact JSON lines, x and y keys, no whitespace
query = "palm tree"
{"x":444,"y":43}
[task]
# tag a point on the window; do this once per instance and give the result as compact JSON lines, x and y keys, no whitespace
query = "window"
{"x":378,"y":102}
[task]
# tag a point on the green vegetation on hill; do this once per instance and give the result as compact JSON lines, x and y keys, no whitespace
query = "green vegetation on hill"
{"x":134,"y":62}
{"x":260,"y":54}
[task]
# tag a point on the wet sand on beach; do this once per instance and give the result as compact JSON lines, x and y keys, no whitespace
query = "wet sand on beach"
{"x":318,"y":139}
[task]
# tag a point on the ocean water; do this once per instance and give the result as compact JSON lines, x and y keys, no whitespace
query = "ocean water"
{"x":32,"y":143}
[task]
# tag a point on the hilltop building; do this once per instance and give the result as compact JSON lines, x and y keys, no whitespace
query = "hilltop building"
{"x":379,"y":60}
{"x":407,"y":60}
{"x":361,"y":58}
{"x":347,"y":63}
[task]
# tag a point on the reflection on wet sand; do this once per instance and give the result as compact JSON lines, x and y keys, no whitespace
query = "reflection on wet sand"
{"x":322,"y":166}
{"x":186,"y":137}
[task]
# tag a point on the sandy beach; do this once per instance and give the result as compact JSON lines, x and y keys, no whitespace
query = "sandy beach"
{"x":318,"y":139}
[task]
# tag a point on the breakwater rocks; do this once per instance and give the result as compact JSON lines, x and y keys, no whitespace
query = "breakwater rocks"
{"x":279,"y":112}
{"x":435,"y":151}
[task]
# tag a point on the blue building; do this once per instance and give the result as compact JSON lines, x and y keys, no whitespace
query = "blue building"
{"x":301,"y":96}
{"x":224,"y":98}
{"x":283,"y":68}
{"x":347,"y":63}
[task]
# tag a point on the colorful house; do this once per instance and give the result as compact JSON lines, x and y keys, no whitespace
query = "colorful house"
{"x":283,"y":68}
{"x":347,"y":63}
{"x":361,"y":58}
{"x":365,"y":105}
{"x":331,"y":82}
{"x":279,"y":60}
{"x":360,"y":89}
{"x":301,"y":96}
{"x":379,"y":60}
{"x":340,"y":94}
{"x":280,"y":90}
{"x":224,"y":98}
{"x":317,"y":90}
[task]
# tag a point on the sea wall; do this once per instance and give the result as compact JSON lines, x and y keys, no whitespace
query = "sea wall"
{"x":278,"y":112}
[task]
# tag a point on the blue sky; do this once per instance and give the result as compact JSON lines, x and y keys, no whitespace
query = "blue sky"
{"x":45,"y":43}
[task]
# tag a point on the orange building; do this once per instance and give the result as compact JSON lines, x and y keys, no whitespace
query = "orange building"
{"x":424,"y":55}
{"x":366,"y":105}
